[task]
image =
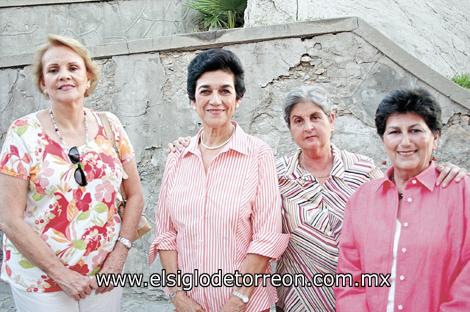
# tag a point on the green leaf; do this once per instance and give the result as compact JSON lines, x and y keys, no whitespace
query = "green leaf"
{"x":25,"y":264}
{"x":95,"y":271}
{"x":79,"y":244}
{"x":219,"y":13}
{"x":21,"y":130}
{"x":462,"y":80}
{"x":100,"y":208}
{"x":83,"y":216}
{"x":37,"y":196}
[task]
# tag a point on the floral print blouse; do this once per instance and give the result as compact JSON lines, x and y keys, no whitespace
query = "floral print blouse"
{"x":79,"y":223}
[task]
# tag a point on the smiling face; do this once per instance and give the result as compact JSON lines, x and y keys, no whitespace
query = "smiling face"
{"x":409,"y":142}
{"x":64,"y":76}
{"x":310,"y":127}
{"x":215,"y":98}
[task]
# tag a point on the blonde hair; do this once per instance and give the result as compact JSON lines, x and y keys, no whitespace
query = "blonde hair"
{"x":74,"y":45}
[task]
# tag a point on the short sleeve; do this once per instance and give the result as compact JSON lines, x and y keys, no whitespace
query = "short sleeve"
{"x":126,"y":151}
{"x":15,"y":158}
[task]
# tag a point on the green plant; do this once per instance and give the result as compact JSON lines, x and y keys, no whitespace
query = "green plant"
{"x":219,"y":13}
{"x":462,"y":80}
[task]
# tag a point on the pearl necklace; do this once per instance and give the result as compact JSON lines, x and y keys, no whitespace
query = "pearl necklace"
{"x":56,"y":128}
{"x":217,"y":146}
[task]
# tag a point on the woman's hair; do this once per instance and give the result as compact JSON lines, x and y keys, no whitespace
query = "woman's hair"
{"x":306,"y":94}
{"x":418,"y":101}
{"x":74,"y":45}
{"x":212,"y":60}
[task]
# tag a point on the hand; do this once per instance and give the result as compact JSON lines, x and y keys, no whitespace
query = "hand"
{"x":234,"y":304}
{"x":113,"y":264}
{"x":74,"y":284}
{"x":179,"y":144}
{"x":183,"y":303}
{"x":448,"y":173}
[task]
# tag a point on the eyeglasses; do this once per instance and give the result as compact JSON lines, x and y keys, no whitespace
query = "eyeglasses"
{"x":79,"y":174}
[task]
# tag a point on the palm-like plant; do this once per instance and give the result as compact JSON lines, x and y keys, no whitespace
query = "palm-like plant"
{"x":219,"y":13}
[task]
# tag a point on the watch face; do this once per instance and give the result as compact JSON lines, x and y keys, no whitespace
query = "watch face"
{"x":125,"y":242}
{"x":242,"y":297}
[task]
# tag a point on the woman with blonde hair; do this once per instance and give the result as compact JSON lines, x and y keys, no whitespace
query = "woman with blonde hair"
{"x":60,"y":175}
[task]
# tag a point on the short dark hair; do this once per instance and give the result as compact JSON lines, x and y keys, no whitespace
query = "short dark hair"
{"x":418,"y":101}
{"x":212,"y":60}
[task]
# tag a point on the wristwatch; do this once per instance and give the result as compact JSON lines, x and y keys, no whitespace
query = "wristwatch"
{"x":172,"y":294}
{"x":244,"y":298}
{"x":127,"y":243}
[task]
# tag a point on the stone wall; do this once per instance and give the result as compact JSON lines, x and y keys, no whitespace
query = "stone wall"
{"x":434,"y":31}
{"x":355,"y":63}
{"x":25,"y":25}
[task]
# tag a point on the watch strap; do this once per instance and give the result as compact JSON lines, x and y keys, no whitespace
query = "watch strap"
{"x":127,"y":243}
{"x":244,"y":298}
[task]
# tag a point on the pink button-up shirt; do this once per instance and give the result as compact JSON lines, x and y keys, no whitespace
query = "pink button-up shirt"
{"x":214,"y":219}
{"x":433,"y":269}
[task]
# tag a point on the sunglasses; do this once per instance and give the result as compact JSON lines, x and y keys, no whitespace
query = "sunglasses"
{"x":79,"y":174}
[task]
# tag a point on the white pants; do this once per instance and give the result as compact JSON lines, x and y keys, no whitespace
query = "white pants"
{"x":60,"y":302}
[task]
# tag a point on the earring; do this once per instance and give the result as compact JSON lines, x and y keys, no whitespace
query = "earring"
{"x":238,"y":105}
{"x":44,"y":91}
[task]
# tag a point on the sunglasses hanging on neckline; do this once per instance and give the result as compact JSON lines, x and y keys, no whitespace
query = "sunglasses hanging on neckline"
{"x":79,"y":174}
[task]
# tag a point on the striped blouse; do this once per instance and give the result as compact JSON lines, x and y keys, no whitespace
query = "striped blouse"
{"x":214,"y":219}
{"x":313,"y":215}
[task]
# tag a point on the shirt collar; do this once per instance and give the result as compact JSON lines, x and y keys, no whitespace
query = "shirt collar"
{"x":427,"y":178}
{"x":238,"y":142}
{"x":295,"y":171}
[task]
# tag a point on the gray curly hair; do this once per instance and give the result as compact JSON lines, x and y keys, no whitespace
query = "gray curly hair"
{"x":306,"y":94}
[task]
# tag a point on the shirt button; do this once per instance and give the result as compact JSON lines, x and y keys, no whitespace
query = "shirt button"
{"x":403,"y":250}
{"x":405,"y":224}
{"x":409,"y":199}
{"x":402,"y":277}
{"x":413,"y":181}
{"x":400,"y":307}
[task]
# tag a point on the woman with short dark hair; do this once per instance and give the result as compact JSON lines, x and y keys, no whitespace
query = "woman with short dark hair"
{"x":403,"y":224}
{"x":219,"y":205}
{"x":315,"y":183}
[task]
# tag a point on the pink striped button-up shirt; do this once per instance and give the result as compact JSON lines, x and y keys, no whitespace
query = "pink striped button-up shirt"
{"x":214,"y":219}
{"x":433,"y":258}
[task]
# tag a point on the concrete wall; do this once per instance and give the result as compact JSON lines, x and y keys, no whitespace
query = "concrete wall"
{"x":25,"y":24}
{"x":145,"y":87}
{"x":434,"y":31}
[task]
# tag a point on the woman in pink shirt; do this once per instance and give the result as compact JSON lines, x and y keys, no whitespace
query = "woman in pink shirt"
{"x":404,"y":227}
{"x":219,"y":205}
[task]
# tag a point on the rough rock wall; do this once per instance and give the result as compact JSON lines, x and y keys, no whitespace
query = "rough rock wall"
{"x":23,"y":28}
{"x":147,"y":92}
{"x":434,"y":31}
